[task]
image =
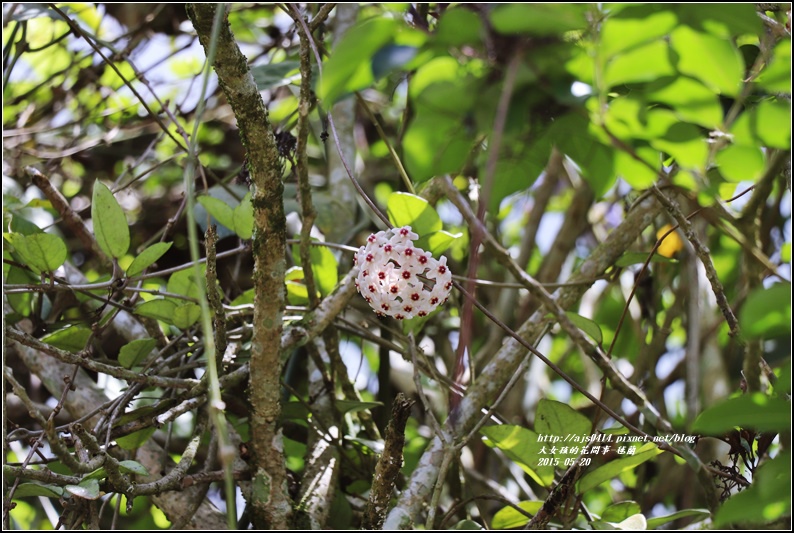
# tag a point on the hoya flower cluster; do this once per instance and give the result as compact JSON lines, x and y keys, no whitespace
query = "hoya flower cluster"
{"x":399,"y":280}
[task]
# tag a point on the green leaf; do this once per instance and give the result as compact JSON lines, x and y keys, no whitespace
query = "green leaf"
{"x":699,"y":514}
{"x":633,"y":26}
{"x":570,"y":134}
{"x":713,"y":60}
{"x":756,"y":410}
{"x":739,"y":163}
{"x":768,"y":124}
{"x":20,"y":302}
{"x":521,"y":446}
{"x":559,"y":419}
{"x":509,"y":518}
{"x":22,"y":225}
{"x":406,"y":209}
{"x":767,"y":500}
{"x":244,"y":218}
{"x":690,"y":100}
{"x":685,"y":143}
{"x":147,"y":258}
{"x":133,"y":467}
{"x":437,"y":242}
{"x":390,"y":58}
{"x":538,"y":19}
{"x":638,"y":174}
{"x":71,"y":338}
{"x":776,"y":75}
{"x":186,"y":315}
{"x":219,"y":209}
{"x":614,"y":468}
{"x":590,"y":327}
{"x":274,"y":75}
{"x":457,"y":27}
{"x":294,"y":411}
{"x":98,"y":474}
{"x":351,"y":406}
{"x":617,"y":512}
{"x":42,"y":252}
{"x":33,"y":489}
{"x":435,"y":144}
{"x":158,"y":309}
{"x":135,"y":351}
{"x":324,"y":268}
{"x":87,"y":489}
{"x":135,"y":440}
{"x":467,"y":525}
{"x":184,"y":282}
{"x":348,"y":67}
{"x":637,"y":258}
{"x":110,"y":225}
{"x":646,"y":63}
{"x":767,"y":312}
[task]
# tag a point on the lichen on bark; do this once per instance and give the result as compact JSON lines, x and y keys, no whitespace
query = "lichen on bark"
{"x":269,"y":241}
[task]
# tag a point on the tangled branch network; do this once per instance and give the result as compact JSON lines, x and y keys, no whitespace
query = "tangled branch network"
{"x":398,"y":279}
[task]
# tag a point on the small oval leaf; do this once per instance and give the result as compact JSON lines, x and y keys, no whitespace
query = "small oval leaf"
{"x":87,"y":489}
{"x":72,"y":338}
{"x":147,"y":258}
{"x":406,"y":209}
{"x":244,"y":218}
{"x":157,"y":309}
{"x":33,"y":489}
{"x":133,"y":467}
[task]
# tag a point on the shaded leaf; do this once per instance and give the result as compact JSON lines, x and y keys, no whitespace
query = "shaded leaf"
{"x":351,"y":406}
{"x":617,"y":512}
{"x":509,"y":518}
{"x":699,"y":514}
{"x":158,"y":309}
{"x":110,"y":225}
{"x":135,"y":351}
{"x":244,"y":218}
{"x":33,"y":489}
{"x":135,"y":440}
{"x":133,"y":467}
{"x":42,"y":252}
{"x":614,"y":468}
{"x":767,"y":499}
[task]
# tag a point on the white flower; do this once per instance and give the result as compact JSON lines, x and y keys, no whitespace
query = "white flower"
{"x":398,"y":279}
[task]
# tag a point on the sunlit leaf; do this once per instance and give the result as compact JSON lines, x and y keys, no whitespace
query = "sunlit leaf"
{"x":767,"y":312}
{"x":147,"y":258}
{"x":186,"y":315}
{"x":756,"y":410}
{"x":110,"y":225}
{"x":698,"y":514}
{"x":767,"y":499}
{"x":42,"y":252}
{"x":538,"y":19}
{"x":406,"y":209}
{"x":714,"y":61}
{"x":158,"y":309}
{"x":646,"y":63}
{"x":509,"y":518}
{"x":554,"y":418}
{"x":617,"y":512}
{"x":522,"y":446}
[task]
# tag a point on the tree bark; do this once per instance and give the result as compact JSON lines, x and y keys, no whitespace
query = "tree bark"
{"x":271,"y":506}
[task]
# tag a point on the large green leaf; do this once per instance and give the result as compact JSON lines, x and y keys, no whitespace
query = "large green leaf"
{"x":219,"y":209}
{"x":554,"y":418}
{"x":522,"y":446}
{"x":349,"y":66}
{"x":685,"y":143}
{"x":756,"y":410}
{"x":42,"y":252}
{"x":713,"y":60}
{"x":645,"y":63}
{"x":768,"y":124}
{"x":186,"y":315}
{"x":689,"y":99}
{"x":633,"y":26}
{"x":738,"y":163}
{"x":767,"y":312}
{"x":274,"y":75}
{"x":87,"y":489}
{"x":135,"y":440}
{"x":184,"y":282}
{"x":159,"y":309}
{"x":146,"y":258}
{"x":538,"y":19}
{"x":776,"y":75}
{"x":614,"y":468}
{"x":617,"y":512}
{"x":404,"y":209}
{"x":35,"y":489}
{"x":110,"y":225}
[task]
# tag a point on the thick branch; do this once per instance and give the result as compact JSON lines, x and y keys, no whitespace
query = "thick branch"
{"x":271,"y":504}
